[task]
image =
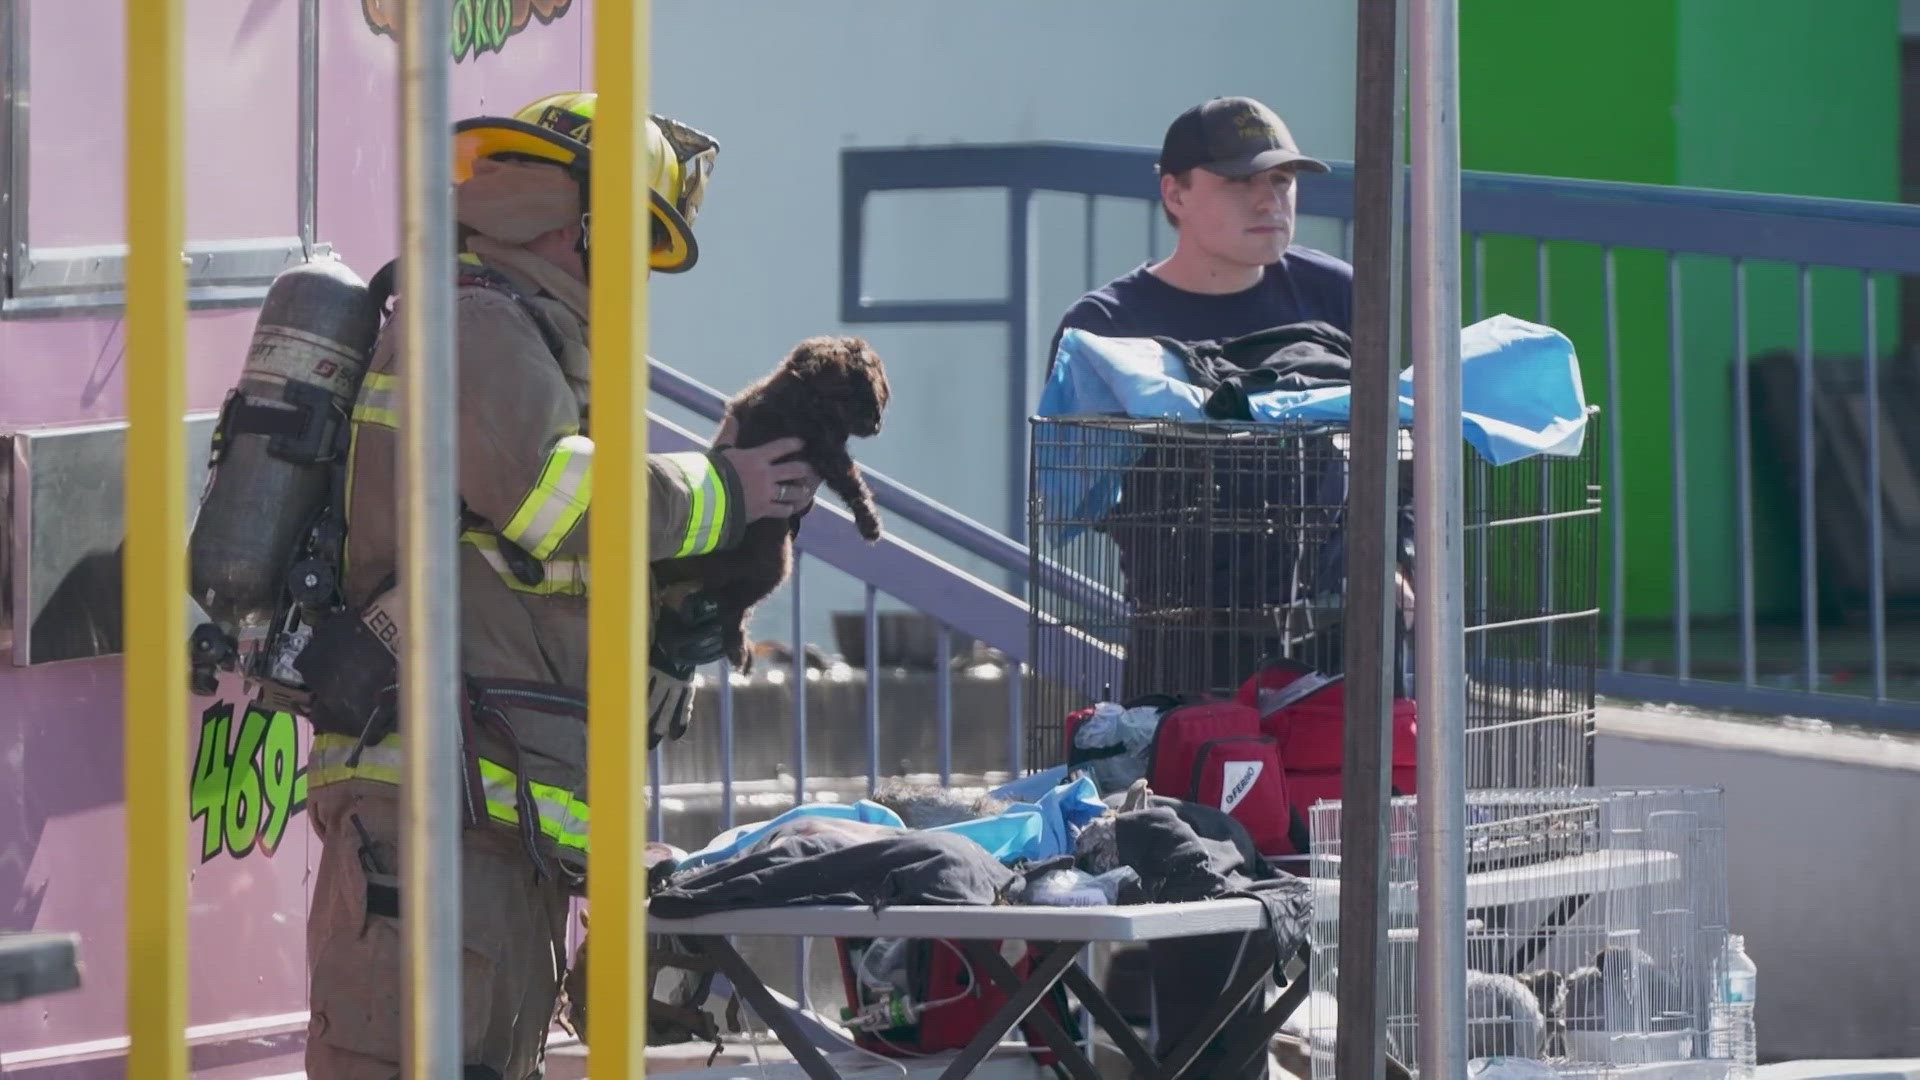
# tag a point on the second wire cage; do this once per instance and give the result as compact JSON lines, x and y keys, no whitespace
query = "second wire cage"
{"x":1175,"y":557}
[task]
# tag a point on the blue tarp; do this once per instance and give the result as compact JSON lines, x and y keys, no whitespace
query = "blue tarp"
{"x":1520,"y":396}
{"x":1519,"y":388}
{"x":1036,"y":831}
{"x":734,"y":840}
{"x":1033,"y":831}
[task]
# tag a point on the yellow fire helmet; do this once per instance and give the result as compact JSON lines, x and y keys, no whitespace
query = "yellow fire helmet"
{"x":559,"y":128}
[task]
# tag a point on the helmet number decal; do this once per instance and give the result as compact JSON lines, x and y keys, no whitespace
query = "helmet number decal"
{"x":248,"y":782}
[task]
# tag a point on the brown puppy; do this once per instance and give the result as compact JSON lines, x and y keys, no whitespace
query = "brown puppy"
{"x":829,"y":389}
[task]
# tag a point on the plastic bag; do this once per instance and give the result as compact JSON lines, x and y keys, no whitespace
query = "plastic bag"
{"x":883,"y":967}
{"x":1131,"y":729}
{"x":1077,"y":888}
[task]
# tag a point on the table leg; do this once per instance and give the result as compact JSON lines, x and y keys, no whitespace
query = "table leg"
{"x":1109,"y":1018}
{"x":1022,"y":1001}
{"x":1536,"y":942}
{"x":1253,"y":970}
{"x":1238,"y":1054}
{"x":1483,"y":945}
{"x":748,"y":985}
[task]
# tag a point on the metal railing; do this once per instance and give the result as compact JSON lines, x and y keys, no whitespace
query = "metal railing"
{"x":891,"y":567}
{"x":1740,"y":230}
{"x":959,"y":602}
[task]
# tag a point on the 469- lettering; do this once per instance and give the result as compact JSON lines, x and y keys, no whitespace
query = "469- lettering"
{"x":247,"y":784}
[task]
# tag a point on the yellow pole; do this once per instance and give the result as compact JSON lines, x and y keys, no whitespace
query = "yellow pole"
{"x":618,"y":612}
{"x":155,"y":595}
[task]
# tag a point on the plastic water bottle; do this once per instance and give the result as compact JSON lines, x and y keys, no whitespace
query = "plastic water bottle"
{"x":1732,"y":1036}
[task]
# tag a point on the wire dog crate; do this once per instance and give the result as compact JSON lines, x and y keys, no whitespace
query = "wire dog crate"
{"x":1174,"y":557}
{"x":1594,"y":917}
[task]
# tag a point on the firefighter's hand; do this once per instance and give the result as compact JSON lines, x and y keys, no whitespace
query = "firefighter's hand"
{"x":772,"y":488}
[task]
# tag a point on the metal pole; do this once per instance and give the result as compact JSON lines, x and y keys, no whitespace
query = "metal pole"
{"x":1016,"y":724}
{"x":1433,"y":35}
{"x":1022,"y":281}
{"x":656,"y":809}
{"x":1379,"y":193}
{"x":1743,"y":471}
{"x":872,"y":642}
{"x":1876,"y":539}
{"x":1616,"y":469}
{"x":156,"y":557}
{"x":618,"y":611}
{"x":1809,"y":536}
{"x":798,"y":674}
{"x":797,"y":671}
{"x":430,"y":647}
{"x":943,"y":700}
{"x":1086,"y":256}
{"x":308,"y":183}
{"x":1682,"y":562}
{"x":724,"y":679}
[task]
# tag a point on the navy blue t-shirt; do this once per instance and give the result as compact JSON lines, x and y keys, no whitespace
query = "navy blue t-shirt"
{"x":1305,"y":284}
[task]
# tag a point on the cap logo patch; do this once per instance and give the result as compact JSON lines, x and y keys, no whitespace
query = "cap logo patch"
{"x":1249,"y":125}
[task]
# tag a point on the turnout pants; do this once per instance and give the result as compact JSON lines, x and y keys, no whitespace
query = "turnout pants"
{"x":513,"y":944}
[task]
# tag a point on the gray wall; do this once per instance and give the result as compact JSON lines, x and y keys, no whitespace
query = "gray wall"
{"x":785,"y":86}
{"x":1822,"y":864}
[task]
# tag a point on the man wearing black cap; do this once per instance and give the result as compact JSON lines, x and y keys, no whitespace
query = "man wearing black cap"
{"x":1227,"y":170}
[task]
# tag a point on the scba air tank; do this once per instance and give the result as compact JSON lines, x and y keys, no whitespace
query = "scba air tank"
{"x":279,"y":438}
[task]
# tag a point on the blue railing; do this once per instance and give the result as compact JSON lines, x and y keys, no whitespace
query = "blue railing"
{"x":1865,"y":238}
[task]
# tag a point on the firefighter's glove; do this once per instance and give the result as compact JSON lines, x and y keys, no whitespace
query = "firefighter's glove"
{"x":669,"y":705}
{"x":687,"y":636}
{"x":684,"y":638}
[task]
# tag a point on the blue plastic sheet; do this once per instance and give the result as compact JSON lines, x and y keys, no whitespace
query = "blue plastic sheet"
{"x":737,"y":839}
{"x":1030,"y":788}
{"x":1039,"y":830}
{"x":1521,"y":396}
{"x":1032,"y":830}
{"x":1519,"y":387}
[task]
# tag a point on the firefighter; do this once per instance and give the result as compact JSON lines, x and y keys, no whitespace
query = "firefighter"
{"x":524,"y":483}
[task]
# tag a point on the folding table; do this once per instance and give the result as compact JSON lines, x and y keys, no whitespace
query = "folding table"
{"x":1060,"y":933}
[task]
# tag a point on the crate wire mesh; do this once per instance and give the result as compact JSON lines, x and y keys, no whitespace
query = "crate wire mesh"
{"x":1174,"y":557}
{"x":1594,"y":917}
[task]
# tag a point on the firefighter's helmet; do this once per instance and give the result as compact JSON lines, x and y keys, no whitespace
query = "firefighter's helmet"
{"x":559,"y":129}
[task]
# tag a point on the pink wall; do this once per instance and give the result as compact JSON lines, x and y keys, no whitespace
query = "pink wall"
{"x":61,"y":822}
{"x":359,"y":155}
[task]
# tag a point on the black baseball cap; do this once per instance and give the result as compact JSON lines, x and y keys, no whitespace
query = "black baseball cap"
{"x":1231,"y":137}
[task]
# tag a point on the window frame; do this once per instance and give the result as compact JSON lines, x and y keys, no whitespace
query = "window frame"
{"x":92,"y":278}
